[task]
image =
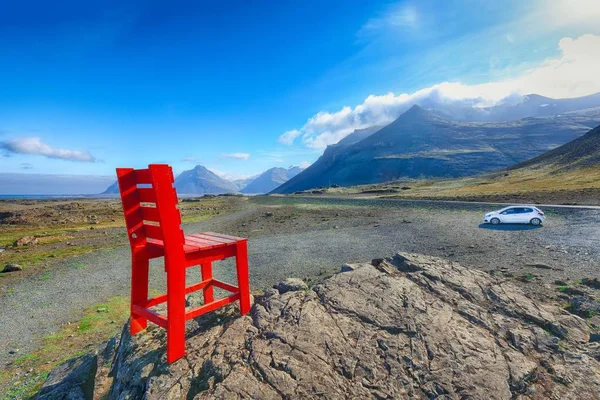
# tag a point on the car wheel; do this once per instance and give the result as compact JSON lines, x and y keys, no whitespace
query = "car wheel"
{"x":494,"y":221}
{"x":535,"y":221}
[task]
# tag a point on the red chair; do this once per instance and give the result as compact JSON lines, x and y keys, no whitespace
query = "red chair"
{"x":155,"y":231}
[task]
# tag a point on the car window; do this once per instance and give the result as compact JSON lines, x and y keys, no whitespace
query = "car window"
{"x":509,"y":211}
{"x":527,"y":210}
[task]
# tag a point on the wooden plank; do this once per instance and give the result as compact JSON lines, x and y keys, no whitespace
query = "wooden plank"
{"x":130,"y":199}
{"x":203,"y":244}
{"x":212,"y":238}
{"x":154,"y":232}
{"x":143,"y":176}
{"x":235,"y":238}
{"x":189,"y":249}
{"x":150,"y":315}
{"x":196,"y":312}
{"x":150,"y":214}
{"x":147,"y":195}
{"x":226,"y":286}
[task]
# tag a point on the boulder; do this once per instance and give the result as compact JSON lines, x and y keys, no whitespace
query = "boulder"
{"x":12,"y":268}
{"x":420,"y":327}
{"x":25,"y":241}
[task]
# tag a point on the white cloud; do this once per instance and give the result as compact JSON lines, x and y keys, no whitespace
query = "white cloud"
{"x":236,"y":156}
{"x":288,"y":137}
{"x":230,"y":176}
{"x":190,"y":159}
{"x":573,"y":73}
{"x":399,"y":16}
{"x":35,"y":146}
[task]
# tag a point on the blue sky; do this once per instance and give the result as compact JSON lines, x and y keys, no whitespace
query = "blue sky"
{"x":85,"y":88}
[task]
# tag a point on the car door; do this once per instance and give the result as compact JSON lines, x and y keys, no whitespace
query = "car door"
{"x":526,"y":215}
{"x":517,"y":216}
{"x":508,"y":216}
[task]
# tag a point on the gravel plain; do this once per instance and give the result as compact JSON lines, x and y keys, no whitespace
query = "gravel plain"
{"x":311,"y":238}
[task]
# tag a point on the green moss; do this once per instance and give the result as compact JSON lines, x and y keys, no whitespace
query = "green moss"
{"x":25,"y":357}
{"x":28,"y":387}
{"x":71,"y":341}
{"x":45,"y":276}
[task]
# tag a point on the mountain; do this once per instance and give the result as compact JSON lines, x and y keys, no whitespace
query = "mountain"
{"x":194,"y":181}
{"x":271,"y":179}
{"x":583,"y":152}
{"x":420,"y":143}
{"x":358,"y":135}
{"x":112,"y":189}
{"x":202,"y":181}
{"x":531,"y":105}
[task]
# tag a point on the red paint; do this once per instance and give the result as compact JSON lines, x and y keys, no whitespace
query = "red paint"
{"x":154,"y":230}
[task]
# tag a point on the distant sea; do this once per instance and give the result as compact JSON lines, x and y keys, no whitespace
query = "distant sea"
{"x":53,"y":196}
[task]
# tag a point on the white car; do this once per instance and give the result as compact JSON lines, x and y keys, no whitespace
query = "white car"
{"x":515,"y":215}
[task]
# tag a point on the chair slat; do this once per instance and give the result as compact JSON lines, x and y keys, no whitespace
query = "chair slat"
{"x":220,"y":235}
{"x":150,"y":214}
{"x":143,"y":176}
{"x":202,"y":236}
{"x":147,"y":195}
{"x":154,"y":232}
{"x":205,"y":244}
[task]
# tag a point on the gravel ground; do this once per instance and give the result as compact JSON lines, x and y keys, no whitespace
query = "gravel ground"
{"x":311,"y":238}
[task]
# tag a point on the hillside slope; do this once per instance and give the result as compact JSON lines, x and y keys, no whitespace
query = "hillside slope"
{"x":583,"y":152}
{"x":569,"y":174}
{"x":420,"y":144}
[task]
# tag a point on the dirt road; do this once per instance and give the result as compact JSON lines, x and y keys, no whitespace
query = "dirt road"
{"x":312,"y":237}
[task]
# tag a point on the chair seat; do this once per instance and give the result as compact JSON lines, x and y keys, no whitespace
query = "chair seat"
{"x":196,"y":243}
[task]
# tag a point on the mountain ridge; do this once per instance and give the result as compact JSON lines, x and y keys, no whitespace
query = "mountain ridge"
{"x":420,"y":143}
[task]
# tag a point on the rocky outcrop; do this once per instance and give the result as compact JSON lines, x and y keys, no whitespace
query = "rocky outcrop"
{"x":72,"y":380}
{"x":404,"y":327}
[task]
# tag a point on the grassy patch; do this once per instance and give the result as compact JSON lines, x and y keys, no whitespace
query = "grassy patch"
{"x":28,"y":386}
{"x":35,"y":256}
{"x":70,"y":341}
{"x":46,"y":276}
{"x":523,"y":182}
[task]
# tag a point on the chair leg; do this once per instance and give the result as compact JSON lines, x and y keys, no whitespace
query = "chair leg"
{"x":139,"y":292}
{"x":209,"y":295}
{"x":175,"y":311}
{"x":241,"y":262}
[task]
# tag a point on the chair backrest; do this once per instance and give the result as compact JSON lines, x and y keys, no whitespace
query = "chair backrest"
{"x":150,"y":207}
